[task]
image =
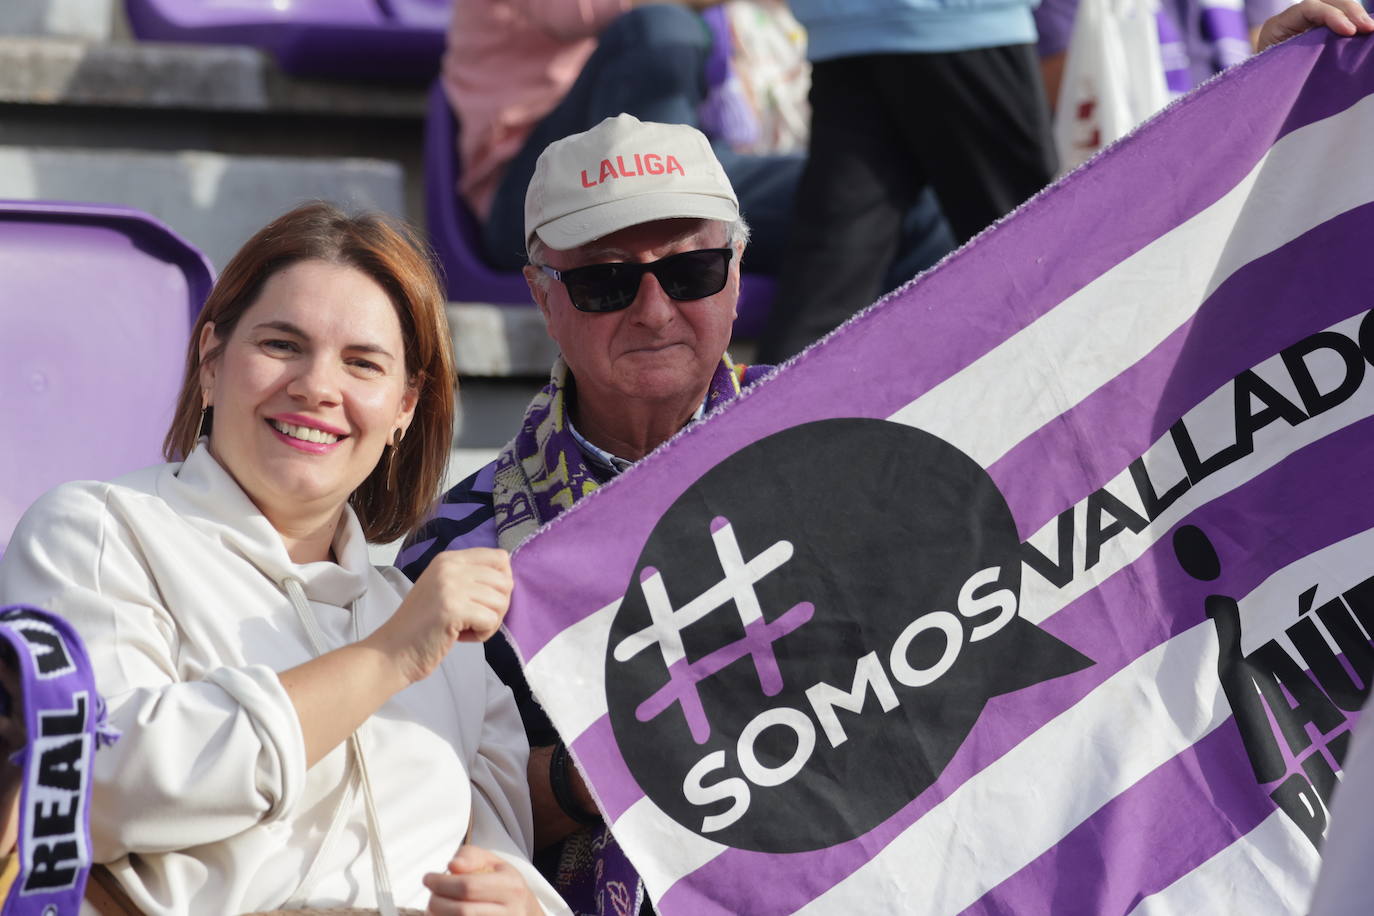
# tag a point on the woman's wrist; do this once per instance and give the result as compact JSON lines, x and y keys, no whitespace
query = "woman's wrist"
{"x":391,"y":662}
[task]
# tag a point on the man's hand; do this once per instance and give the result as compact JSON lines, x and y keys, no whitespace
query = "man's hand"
{"x":480,"y":883}
{"x":1344,"y":17}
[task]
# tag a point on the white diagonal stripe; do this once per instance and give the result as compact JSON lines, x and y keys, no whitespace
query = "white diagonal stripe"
{"x":1123,"y":314}
{"x":1041,"y":599}
{"x":1255,"y":874}
{"x":655,"y":830}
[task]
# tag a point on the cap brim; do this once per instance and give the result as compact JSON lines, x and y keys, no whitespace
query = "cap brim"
{"x":601,"y":220}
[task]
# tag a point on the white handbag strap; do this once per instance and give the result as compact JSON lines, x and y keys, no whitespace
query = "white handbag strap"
{"x":338,"y":820}
{"x":386,"y":902}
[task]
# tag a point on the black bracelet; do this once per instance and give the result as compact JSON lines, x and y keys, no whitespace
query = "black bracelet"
{"x":562,"y":788}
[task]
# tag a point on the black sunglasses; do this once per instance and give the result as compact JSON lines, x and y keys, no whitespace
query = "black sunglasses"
{"x":612,"y":287}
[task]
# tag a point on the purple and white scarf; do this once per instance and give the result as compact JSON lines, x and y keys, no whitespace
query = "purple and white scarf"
{"x":542,"y":471}
{"x":64,"y":721}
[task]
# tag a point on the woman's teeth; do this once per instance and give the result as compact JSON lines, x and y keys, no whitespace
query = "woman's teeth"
{"x":304,"y":433}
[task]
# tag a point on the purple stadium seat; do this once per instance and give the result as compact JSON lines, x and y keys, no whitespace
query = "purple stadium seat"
{"x":433,"y":14}
{"x":453,"y":231}
{"x":98,"y":303}
{"x":398,"y":40}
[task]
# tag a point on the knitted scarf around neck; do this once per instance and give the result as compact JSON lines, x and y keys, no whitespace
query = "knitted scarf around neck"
{"x":542,"y":472}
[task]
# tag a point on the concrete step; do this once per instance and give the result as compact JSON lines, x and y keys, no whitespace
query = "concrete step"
{"x":92,"y":20}
{"x":122,"y":95}
{"x":48,"y":69}
{"x":215,"y":201}
{"x":500,"y":340}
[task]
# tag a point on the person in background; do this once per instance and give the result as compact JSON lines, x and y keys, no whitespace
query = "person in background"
{"x":905,"y":94}
{"x":638,"y":282}
{"x":1343,"y":17}
{"x":521,"y":74}
{"x":300,"y":728}
{"x":1198,"y":38}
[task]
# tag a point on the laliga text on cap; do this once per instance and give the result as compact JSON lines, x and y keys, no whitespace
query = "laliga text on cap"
{"x":644,"y":164}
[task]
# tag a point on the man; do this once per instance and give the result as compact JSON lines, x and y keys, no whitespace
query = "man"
{"x":635,"y":241}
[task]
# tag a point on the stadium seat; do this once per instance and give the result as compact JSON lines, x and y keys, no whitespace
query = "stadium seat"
{"x":98,"y":305}
{"x":395,"y":40}
{"x":454,"y":232}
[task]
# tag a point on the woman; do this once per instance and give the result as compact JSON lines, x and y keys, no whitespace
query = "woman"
{"x":299,"y":728}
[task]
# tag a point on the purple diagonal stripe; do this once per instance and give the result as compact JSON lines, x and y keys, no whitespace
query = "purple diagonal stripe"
{"x":995,"y":286}
{"x":1325,"y":274}
{"x":1144,"y":823}
{"x":408,"y":555}
{"x":1338,"y":78}
{"x":1142,"y":826}
{"x":595,"y":750}
{"x":1288,"y":497}
{"x":458,"y":511}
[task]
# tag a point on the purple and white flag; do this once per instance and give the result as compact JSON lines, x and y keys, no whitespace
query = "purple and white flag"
{"x":1044,"y":586}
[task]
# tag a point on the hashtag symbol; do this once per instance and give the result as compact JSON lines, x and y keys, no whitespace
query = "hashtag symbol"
{"x":666,"y":626}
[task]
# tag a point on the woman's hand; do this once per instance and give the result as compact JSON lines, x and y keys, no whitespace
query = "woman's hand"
{"x":462,"y":596}
{"x":480,"y":882}
{"x":1344,"y":17}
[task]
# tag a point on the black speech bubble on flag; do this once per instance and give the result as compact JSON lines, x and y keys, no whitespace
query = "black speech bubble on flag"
{"x":883,"y":526}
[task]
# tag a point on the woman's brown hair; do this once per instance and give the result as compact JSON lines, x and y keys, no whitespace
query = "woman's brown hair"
{"x":392,"y":256}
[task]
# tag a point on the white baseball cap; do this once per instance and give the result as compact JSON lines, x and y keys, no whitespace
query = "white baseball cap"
{"x":621,"y":173}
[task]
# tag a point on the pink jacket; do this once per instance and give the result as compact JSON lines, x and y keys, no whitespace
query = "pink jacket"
{"x":508,"y":63}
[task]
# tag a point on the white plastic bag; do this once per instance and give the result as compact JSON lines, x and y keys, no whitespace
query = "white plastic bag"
{"x":1113,"y":77}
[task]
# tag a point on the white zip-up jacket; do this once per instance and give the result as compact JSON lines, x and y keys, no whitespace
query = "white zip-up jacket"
{"x":179,"y":587}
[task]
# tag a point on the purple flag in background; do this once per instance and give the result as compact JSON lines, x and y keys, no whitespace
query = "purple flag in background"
{"x":1044,"y":586}
{"x":64,"y":720}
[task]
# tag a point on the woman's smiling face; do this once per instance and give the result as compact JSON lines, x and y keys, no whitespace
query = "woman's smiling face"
{"x":308,"y":389}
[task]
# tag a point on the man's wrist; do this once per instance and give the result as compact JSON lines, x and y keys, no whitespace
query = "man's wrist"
{"x":560,"y":781}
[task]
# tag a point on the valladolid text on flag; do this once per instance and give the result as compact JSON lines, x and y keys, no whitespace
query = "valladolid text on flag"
{"x":1046,"y":585}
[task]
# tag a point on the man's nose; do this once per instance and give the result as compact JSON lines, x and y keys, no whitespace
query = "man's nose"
{"x":652,"y":306}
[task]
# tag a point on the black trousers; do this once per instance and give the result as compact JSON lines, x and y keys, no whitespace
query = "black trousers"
{"x":972,"y":125}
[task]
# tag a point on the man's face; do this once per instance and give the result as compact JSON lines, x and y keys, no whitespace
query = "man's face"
{"x":657,"y":350}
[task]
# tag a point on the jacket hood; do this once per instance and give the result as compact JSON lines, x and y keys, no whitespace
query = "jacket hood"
{"x":205,"y":494}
